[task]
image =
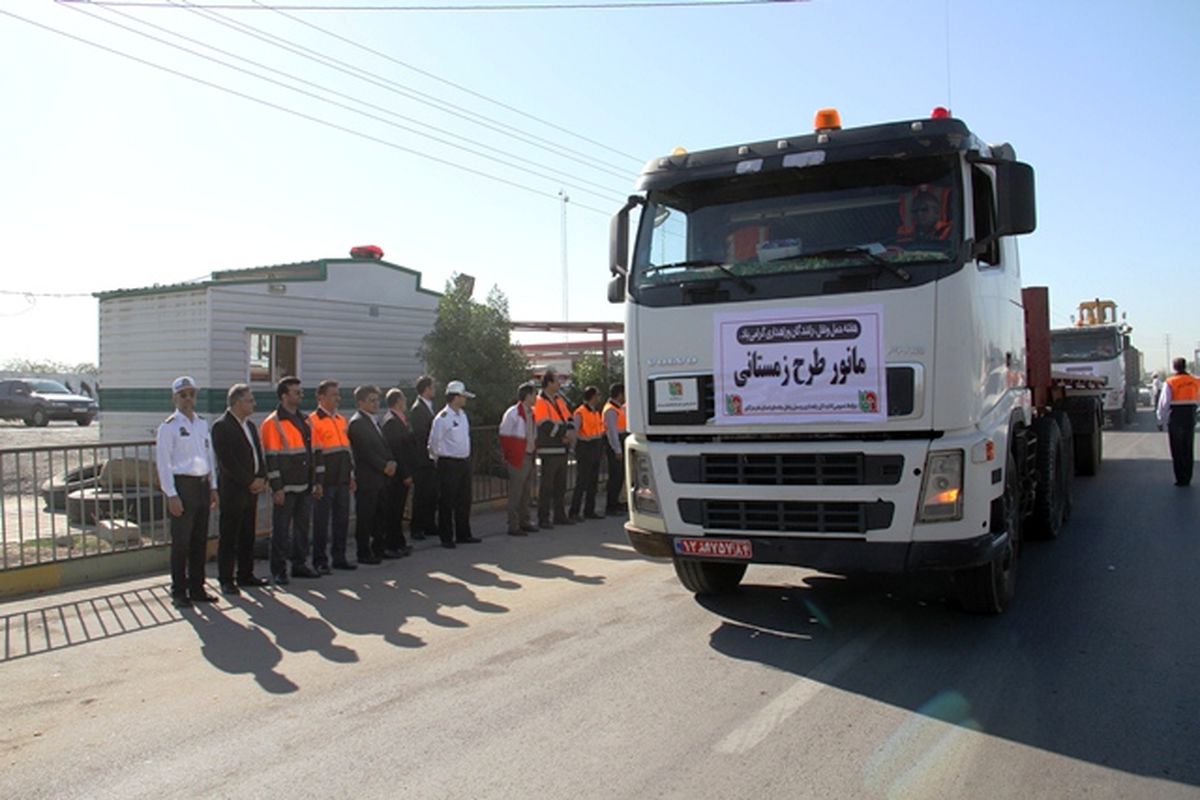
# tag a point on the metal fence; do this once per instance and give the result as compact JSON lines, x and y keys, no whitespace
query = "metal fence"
{"x":69,"y":502}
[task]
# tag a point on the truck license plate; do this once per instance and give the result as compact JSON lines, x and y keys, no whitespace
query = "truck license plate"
{"x":716,"y":548}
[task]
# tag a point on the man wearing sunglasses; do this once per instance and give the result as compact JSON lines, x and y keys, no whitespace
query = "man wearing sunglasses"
{"x":184,"y":457}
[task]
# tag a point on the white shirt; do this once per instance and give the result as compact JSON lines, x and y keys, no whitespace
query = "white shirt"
{"x":450,"y":435}
{"x":250,"y":439}
{"x":183,"y":447}
{"x":519,"y":427}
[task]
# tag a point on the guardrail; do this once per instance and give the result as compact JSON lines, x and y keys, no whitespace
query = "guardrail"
{"x":69,"y":502}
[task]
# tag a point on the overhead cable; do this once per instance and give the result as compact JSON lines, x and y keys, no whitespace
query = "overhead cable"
{"x":606,"y":191}
{"x":300,"y":114}
{"x":626,"y":4}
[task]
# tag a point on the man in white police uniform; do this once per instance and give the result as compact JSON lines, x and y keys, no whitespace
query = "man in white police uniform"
{"x":184,"y":455}
{"x":450,"y":449}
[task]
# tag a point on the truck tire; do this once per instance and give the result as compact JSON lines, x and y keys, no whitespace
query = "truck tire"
{"x":709,"y":577}
{"x":989,"y":588}
{"x":1068,"y":457}
{"x":39,"y":418}
{"x":1053,"y":490}
{"x":1089,"y":449}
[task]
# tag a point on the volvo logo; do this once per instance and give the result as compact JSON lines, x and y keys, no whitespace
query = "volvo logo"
{"x":672,"y":361}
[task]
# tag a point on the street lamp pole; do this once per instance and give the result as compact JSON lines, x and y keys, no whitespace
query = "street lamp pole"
{"x":565,"y":199}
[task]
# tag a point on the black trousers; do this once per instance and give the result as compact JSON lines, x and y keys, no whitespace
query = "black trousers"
{"x":616,"y":478}
{"x":289,"y":531}
{"x":454,"y":499}
{"x":552,"y":488}
{"x":332,"y":510}
{"x":397,"y":496}
{"x":587,"y":476}
{"x":189,"y":536}
{"x":235,"y":539}
{"x":1181,"y":434}
{"x":425,"y":500}
{"x":369,"y":513}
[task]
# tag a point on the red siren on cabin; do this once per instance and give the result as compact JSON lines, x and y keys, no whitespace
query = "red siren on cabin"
{"x":940,"y":112}
{"x":369,"y":251}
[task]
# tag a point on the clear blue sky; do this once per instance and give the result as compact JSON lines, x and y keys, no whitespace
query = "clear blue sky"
{"x":116,"y":175}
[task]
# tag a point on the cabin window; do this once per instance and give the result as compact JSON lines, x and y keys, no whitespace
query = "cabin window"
{"x":272,"y":356}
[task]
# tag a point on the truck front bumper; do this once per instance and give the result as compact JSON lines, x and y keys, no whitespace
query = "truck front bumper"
{"x":840,"y":555}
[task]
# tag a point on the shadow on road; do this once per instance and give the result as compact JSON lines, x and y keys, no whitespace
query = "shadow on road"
{"x":1096,"y":659}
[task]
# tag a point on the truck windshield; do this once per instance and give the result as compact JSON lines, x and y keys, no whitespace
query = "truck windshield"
{"x":879,"y":221}
{"x":1067,"y":346}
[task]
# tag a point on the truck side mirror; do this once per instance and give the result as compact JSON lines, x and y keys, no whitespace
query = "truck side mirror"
{"x":618,"y":250}
{"x":1016,"y":212}
{"x":616,"y":289}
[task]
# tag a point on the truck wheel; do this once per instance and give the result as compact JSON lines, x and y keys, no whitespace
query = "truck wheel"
{"x":39,"y":418}
{"x":1089,"y":449}
{"x":989,"y":588}
{"x":1049,"y":503}
{"x":1068,"y":458}
{"x":709,"y":577}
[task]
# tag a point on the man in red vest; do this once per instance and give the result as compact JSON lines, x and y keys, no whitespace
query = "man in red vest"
{"x":519,"y":444}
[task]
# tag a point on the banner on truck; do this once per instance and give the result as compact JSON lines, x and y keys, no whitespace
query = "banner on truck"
{"x":800,"y":365}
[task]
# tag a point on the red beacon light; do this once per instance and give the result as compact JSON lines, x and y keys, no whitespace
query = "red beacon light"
{"x":367,"y":251}
{"x":827,"y":119}
{"x":940,"y":112}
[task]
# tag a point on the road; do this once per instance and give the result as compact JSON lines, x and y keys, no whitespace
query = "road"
{"x":564,"y":666}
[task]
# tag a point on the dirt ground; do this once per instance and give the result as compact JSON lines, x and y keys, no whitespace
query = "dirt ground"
{"x":56,"y":434}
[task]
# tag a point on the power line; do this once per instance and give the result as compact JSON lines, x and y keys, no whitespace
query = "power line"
{"x":625,"y":4}
{"x":19,"y":293}
{"x":295,"y":113}
{"x":608,"y":192}
{"x":446,"y":82}
{"x":399,"y":88}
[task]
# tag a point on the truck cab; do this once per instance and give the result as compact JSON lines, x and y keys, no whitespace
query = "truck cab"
{"x":825,"y":354}
{"x":1097,"y":344}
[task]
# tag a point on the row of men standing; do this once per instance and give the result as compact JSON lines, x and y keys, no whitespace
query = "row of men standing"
{"x":311,"y":465}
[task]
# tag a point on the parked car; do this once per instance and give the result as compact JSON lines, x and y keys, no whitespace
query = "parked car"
{"x":37,"y":401}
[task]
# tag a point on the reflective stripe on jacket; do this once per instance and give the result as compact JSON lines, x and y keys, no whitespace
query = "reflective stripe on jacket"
{"x":553,"y":421}
{"x":287,"y":444}
{"x":331,"y":448}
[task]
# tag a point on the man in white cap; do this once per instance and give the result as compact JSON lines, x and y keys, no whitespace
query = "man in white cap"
{"x":450,"y":449}
{"x":184,"y":456}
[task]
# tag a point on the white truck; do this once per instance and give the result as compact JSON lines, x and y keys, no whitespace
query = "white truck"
{"x":1099,"y":345}
{"x":827,"y":362}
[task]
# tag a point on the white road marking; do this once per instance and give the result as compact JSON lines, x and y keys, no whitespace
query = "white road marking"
{"x":748,"y":735}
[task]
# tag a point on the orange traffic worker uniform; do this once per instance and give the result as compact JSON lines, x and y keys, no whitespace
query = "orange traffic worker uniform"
{"x":553,"y":420}
{"x":331,"y":448}
{"x":1177,"y":408}
{"x":287,"y":444}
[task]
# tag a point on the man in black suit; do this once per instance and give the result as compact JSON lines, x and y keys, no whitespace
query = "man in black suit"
{"x":399,"y":437}
{"x":373,"y":467}
{"x":425,"y":479}
{"x":241,"y":477}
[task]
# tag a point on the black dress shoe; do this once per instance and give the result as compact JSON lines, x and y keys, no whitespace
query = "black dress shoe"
{"x":546,"y":526}
{"x":346,"y":565}
{"x":418,"y":536}
{"x":229,"y":587}
{"x":323,"y":569}
{"x":303,"y":571}
{"x":517,"y":533}
{"x":448,"y":545}
{"x":252,"y":580}
{"x":469,"y":540}
{"x":180,"y":601}
{"x":372,"y":560}
{"x":529,"y":528}
{"x":564,"y":521}
{"x":390,"y":553}
{"x":281,"y":579}
{"x":593,"y":515}
{"x":202,"y":597}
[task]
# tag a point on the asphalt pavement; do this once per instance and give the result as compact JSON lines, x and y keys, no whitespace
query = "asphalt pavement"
{"x":563,"y":665}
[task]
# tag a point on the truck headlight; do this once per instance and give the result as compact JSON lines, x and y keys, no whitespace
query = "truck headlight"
{"x":645,"y":497}
{"x":941,"y":488}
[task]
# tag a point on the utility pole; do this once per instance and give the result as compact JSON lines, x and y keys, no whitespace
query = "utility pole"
{"x":565,"y":199}
{"x":1167,"y":342}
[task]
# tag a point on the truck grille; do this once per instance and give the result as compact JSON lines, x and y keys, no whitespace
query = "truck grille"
{"x":787,"y":469}
{"x":786,"y":516}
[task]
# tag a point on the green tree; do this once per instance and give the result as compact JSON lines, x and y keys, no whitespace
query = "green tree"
{"x":32,"y":366}
{"x":589,"y":371}
{"x":471,"y":342}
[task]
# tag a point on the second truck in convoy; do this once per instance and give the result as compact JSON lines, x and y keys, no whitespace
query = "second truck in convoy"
{"x":830,"y":361}
{"x":1097,"y":344}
